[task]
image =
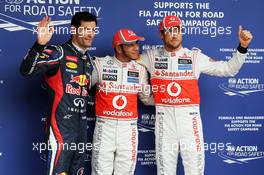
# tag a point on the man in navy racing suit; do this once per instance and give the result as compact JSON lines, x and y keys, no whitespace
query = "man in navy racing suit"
{"x":67,"y":70}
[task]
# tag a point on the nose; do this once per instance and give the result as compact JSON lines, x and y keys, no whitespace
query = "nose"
{"x":135,"y":47}
{"x":90,"y":32}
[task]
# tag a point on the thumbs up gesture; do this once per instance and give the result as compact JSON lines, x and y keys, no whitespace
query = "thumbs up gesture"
{"x":244,"y":37}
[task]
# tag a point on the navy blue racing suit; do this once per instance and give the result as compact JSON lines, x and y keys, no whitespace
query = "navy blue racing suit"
{"x":67,"y":73}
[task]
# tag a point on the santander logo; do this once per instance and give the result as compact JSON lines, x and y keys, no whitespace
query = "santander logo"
{"x":119,"y":102}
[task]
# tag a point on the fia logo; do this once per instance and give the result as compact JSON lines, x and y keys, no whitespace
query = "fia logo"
{"x":14,"y":1}
{"x":12,"y":24}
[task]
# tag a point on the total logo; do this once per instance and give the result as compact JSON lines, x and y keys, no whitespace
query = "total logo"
{"x":174,"y":89}
{"x":241,"y":86}
{"x":241,"y":154}
{"x":119,"y":102}
{"x":80,"y":79}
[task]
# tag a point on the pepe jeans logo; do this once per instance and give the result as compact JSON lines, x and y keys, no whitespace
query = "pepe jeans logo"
{"x":242,"y":86}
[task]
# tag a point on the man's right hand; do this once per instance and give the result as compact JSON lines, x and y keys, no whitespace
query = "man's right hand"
{"x":244,"y":37}
{"x":45,"y":31}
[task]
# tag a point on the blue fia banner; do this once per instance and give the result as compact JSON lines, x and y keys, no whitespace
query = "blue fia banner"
{"x":231,"y":108}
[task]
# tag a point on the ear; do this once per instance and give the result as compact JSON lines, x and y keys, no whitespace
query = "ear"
{"x":161,"y":35}
{"x":118,"y":49}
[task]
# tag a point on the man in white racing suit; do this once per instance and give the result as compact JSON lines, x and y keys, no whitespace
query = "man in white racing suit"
{"x":120,"y":79}
{"x":174,"y":77}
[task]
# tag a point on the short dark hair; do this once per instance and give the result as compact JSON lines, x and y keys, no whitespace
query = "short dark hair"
{"x":82,"y":16}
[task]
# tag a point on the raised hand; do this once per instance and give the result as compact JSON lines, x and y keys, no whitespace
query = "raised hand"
{"x":45,"y":31}
{"x":244,"y":37}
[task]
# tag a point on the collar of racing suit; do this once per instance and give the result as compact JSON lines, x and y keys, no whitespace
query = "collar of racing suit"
{"x":164,"y":52}
{"x":80,"y":52}
{"x":79,"y":49}
{"x":119,"y":63}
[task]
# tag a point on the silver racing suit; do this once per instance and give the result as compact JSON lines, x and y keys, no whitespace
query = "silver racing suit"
{"x":116,"y":136}
{"x":178,"y":128}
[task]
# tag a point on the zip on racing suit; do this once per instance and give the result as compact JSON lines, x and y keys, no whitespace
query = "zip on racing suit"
{"x":178,"y":127}
{"x":67,"y":73}
{"x":115,"y":138}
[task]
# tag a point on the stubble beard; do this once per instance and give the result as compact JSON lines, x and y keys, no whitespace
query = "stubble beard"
{"x":171,"y":47}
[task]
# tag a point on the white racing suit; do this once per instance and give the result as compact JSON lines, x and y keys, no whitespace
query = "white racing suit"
{"x":116,"y":136}
{"x":178,"y":127}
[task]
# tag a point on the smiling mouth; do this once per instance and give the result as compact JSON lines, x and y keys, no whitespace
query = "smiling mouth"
{"x":87,"y":39}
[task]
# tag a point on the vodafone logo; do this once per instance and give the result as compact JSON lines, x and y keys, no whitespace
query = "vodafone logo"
{"x":131,"y":33}
{"x":172,"y":19}
{"x":119,"y":102}
{"x":174,"y":89}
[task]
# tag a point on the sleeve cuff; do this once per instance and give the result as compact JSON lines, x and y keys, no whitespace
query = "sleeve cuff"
{"x":38,"y":47}
{"x":241,"y":49}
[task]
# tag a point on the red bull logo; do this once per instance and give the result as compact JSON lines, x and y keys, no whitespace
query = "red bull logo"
{"x":76,"y":91}
{"x":80,"y":79}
